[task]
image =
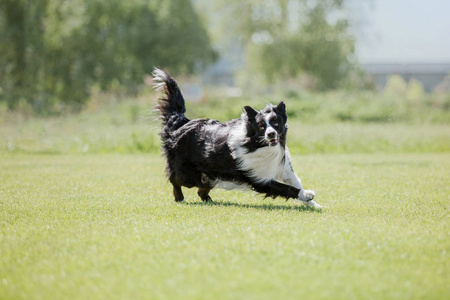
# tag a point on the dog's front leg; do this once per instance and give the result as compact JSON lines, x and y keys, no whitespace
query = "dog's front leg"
{"x":305,"y":196}
{"x":289,"y":177}
{"x":274,"y":189}
{"x":292,"y":179}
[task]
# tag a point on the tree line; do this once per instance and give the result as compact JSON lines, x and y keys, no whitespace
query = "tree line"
{"x":54,"y":52}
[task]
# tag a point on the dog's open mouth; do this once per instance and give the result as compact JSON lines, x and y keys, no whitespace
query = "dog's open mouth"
{"x":273,"y":142}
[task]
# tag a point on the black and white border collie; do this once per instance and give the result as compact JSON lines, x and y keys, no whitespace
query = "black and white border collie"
{"x":245,"y":153}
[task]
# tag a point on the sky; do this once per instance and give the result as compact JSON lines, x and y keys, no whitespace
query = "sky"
{"x":405,"y":31}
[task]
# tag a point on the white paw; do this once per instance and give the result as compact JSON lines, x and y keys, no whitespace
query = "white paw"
{"x":306,"y":195}
{"x":312,"y":204}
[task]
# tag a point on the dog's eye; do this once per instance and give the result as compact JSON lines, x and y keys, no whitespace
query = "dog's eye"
{"x":275,"y":124}
{"x":261,"y":127}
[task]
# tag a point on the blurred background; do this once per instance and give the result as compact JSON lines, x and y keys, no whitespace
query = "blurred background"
{"x":357,"y":76}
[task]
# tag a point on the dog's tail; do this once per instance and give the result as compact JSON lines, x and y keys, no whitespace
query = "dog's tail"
{"x":171,"y":104}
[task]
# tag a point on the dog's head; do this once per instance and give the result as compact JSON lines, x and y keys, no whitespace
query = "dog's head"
{"x":267,"y":127}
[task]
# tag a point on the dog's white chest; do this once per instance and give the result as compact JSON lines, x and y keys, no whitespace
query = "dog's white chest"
{"x":263,"y":164}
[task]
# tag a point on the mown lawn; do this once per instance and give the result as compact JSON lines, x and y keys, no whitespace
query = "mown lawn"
{"x":104,"y":226}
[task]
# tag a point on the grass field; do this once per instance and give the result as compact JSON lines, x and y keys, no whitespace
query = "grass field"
{"x":104,"y":226}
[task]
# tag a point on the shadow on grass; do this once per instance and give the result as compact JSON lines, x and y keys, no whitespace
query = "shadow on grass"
{"x":264,"y":206}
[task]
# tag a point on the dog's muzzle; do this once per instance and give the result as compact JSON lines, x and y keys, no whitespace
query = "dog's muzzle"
{"x":272,"y":137}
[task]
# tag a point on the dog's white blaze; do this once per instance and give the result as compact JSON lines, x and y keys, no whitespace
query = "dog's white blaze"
{"x":269,"y":128}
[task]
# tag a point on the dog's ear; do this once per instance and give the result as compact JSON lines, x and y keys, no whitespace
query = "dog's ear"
{"x":281,"y":108}
{"x":249,"y":113}
{"x":281,"y":111}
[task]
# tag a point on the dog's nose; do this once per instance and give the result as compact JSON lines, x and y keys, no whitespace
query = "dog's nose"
{"x":271,"y":134}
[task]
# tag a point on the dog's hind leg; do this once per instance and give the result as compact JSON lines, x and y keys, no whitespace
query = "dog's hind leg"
{"x":204,"y":194}
{"x":177,"y":193}
{"x":204,"y":188}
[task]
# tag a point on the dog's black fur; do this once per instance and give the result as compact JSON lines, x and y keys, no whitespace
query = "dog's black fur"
{"x":204,"y":153}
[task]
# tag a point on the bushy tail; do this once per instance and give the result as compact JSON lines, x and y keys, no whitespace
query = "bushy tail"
{"x":172,"y":102}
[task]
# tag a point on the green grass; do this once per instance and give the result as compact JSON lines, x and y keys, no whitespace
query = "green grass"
{"x":104,"y":226}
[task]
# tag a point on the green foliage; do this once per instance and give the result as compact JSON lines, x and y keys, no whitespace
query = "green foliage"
{"x":106,"y":227}
{"x":53,"y":52}
{"x":286,"y":39}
